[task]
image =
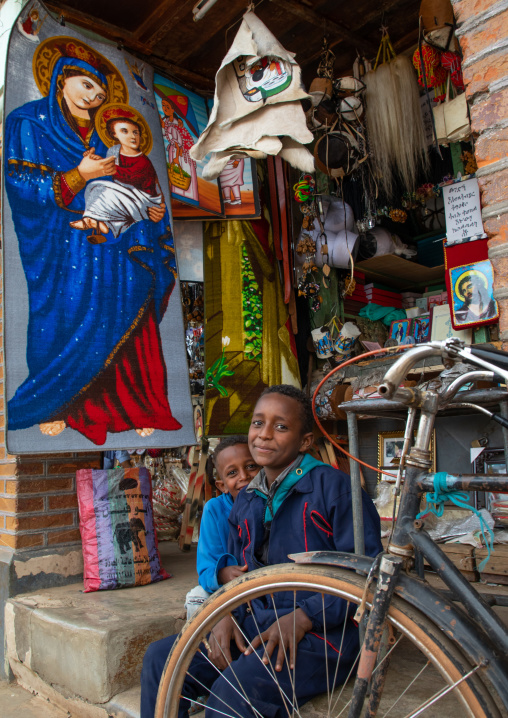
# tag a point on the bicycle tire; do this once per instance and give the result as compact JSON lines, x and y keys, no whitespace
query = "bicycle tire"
{"x":472,"y":697}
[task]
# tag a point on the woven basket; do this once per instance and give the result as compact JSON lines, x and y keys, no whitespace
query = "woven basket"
{"x":177,"y":177}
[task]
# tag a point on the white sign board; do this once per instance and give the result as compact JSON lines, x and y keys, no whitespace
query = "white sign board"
{"x":463,"y":211}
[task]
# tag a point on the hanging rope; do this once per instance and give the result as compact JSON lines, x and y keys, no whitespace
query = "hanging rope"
{"x":435,"y":505}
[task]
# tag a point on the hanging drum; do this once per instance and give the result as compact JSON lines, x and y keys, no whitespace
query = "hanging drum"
{"x":336,"y":154}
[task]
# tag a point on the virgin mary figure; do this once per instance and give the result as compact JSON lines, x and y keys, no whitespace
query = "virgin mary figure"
{"x":94,"y":352}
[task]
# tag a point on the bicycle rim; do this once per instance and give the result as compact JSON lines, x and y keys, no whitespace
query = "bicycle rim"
{"x":426,"y":670}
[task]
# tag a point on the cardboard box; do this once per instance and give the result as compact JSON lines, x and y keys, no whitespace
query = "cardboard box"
{"x":462,"y":556}
{"x":496,"y":569}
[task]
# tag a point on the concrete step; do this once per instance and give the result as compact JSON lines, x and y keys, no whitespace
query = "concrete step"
{"x":82,"y":650}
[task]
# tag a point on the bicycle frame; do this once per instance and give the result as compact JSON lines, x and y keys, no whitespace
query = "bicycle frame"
{"x":477,"y":628}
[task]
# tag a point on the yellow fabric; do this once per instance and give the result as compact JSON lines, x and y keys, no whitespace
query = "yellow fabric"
{"x":224,"y":317}
{"x":276,"y":340}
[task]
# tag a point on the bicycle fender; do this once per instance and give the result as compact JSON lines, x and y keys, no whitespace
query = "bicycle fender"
{"x":445,"y":614}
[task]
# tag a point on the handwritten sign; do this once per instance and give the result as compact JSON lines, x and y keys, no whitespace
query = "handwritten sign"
{"x":463,"y":211}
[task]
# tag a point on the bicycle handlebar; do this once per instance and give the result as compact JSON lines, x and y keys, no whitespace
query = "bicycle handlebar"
{"x":451,"y":348}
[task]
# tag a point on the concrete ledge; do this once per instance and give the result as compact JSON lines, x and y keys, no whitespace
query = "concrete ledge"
{"x":89,"y":647}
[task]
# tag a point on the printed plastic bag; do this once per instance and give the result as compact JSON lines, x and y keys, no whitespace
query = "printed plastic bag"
{"x":117,"y":529}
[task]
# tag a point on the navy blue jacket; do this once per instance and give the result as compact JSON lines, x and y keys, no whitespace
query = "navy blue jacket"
{"x":316,"y":515}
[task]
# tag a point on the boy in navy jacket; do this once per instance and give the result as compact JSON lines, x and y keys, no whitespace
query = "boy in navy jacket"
{"x":235,"y":468}
{"x":294,"y":504}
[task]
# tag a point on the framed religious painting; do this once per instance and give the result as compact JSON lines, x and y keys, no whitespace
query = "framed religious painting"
{"x":94,"y":341}
{"x":420,"y":328}
{"x":472,"y":295}
{"x":390,"y":446}
{"x":399,"y":330}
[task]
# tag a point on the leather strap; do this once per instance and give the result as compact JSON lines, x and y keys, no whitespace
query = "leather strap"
{"x":283,"y":227}
{"x":274,"y":207}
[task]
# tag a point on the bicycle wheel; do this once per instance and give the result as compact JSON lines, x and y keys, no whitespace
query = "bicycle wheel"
{"x":425,"y":671}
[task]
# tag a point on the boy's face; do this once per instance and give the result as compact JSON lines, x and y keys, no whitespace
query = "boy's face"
{"x":236,"y":468}
{"x":276,"y":435}
{"x":127,"y":135}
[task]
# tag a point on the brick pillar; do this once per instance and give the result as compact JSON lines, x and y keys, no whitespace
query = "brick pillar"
{"x":482,"y":29}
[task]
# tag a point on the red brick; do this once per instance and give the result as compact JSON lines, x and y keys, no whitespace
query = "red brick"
{"x":494,"y":187}
{"x":63,"y":501}
{"x":481,"y":73}
{"x":492,"y":146}
{"x":42,"y":486}
{"x":72,"y":467}
{"x":27,"y":469}
{"x":8,"y":469}
{"x":8,"y":505}
{"x":489,"y":112}
{"x":497,"y":229}
{"x":484,"y":36}
{"x":469,"y":8}
{"x":72,"y":535}
{"x":21,"y":541}
{"x":17,"y":505}
{"x":43,"y":521}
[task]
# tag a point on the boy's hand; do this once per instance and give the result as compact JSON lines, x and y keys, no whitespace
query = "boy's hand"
{"x":219,"y":642}
{"x":287,"y":634}
{"x":228,"y":573}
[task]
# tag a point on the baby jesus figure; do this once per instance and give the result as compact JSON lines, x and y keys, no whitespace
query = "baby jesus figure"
{"x":134,"y":194}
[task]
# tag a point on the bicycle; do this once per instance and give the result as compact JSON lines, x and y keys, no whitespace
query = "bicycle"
{"x":424,"y":651}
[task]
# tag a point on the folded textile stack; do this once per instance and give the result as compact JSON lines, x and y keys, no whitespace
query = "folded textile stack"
{"x":256,"y":110}
{"x":384,"y":296}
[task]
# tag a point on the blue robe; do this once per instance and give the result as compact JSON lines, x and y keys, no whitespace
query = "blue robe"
{"x":84,"y":299}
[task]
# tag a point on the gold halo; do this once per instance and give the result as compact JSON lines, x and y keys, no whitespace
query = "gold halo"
{"x":146,"y":144}
{"x":48,"y":53}
{"x":469,"y":273}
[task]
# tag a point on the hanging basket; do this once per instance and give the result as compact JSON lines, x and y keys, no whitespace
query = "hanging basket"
{"x":178,"y":177}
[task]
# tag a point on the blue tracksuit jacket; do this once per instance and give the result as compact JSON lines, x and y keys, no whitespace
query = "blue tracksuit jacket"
{"x":316,"y":515}
{"x":213,"y":541}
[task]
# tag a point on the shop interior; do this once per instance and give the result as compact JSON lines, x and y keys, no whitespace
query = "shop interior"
{"x":362,"y":233}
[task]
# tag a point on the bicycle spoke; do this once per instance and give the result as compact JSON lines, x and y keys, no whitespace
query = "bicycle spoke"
{"x":330,"y":709}
{"x":233,"y":672}
{"x":406,"y":689}
{"x":295,"y":704}
{"x":207,"y":689}
{"x":271,"y":672}
{"x":294,"y":634}
{"x":326,"y":652}
{"x":437,"y":696}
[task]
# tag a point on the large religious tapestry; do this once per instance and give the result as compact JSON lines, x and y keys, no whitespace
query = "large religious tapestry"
{"x":94,"y":339}
{"x":249,"y":344}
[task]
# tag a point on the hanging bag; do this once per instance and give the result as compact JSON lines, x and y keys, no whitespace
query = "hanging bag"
{"x":451,"y":118}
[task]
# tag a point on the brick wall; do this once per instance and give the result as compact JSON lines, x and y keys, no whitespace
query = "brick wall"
{"x":38,"y":504}
{"x":482,"y":29}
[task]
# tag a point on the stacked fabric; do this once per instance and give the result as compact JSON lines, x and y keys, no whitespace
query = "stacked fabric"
{"x":257,"y":110}
{"x":382,"y":295}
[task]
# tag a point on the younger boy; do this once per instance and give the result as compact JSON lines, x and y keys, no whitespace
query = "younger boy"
{"x":235,"y":468}
{"x":294,"y":504}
